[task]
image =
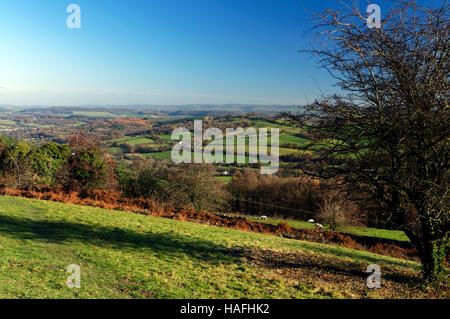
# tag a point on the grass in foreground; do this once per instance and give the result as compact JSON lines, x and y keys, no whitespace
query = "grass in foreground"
{"x":126,"y":255}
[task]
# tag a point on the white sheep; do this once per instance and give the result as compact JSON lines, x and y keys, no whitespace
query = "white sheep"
{"x":319,"y":226}
{"x":263,"y":217}
{"x":311,"y":221}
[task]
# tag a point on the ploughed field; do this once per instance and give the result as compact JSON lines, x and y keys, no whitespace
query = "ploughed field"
{"x":127,"y":255}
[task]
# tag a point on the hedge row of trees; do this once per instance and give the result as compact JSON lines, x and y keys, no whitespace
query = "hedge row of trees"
{"x":184,"y":186}
{"x":81,"y":166}
{"x":78,"y":165}
{"x":271,"y":195}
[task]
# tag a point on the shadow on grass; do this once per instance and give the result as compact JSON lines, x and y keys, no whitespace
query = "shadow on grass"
{"x":175,"y":245}
{"x":113,"y":237}
{"x":356,"y":255}
{"x":330,"y":265}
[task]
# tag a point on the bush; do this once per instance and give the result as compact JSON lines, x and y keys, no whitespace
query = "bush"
{"x":47,"y":160}
{"x":333,"y":212}
{"x":16,"y":164}
{"x":143,"y":178}
{"x":86,"y":167}
{"x":184,"y":186}
{"x":194,"y":186}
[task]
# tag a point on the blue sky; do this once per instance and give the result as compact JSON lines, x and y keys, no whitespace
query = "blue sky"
{"x":158,"y":52}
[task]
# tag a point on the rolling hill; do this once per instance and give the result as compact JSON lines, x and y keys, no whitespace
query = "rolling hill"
{"x":127,"y":255}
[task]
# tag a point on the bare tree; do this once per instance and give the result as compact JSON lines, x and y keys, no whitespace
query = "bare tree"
{"x":387,"y":133}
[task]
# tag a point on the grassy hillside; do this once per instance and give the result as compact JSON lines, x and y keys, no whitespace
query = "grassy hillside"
{"x":126,"y":255}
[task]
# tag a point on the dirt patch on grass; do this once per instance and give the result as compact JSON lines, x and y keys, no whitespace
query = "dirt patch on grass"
{"x":134,"y":289}
{"x":115,"y":200}
{"x":337,"y":278}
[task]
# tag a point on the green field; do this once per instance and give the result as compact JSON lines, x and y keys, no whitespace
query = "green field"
{"x":159,"y":155}
{"x":362,"y":231}
{"x":134,"y":140}
{"x":91,"y":114}
{"x":5,"y":122}
{"x":224,"y":179}
{"x":115,"y":149}
{"x":168,"y":154}
{"x":287,"y":136}
{"x":127,"y":255}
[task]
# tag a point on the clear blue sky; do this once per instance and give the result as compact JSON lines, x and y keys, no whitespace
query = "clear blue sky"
{"x":158,"y":52}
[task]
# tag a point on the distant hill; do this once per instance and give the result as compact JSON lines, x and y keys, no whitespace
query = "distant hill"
{"x":188,"y":109}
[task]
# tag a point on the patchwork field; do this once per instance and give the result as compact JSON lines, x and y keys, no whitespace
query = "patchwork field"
{"x":289,"y":141}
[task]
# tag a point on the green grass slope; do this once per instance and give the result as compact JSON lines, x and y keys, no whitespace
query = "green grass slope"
{"x":127,"y":255}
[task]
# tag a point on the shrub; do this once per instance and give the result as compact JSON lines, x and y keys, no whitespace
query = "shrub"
{"x":143,"y":178}
{"x":184,"y":186}
{"x":47,"y":160}
{"x":194,"y":186}
{"x":86,"y":167}
{"x":333,"y":212}
{"x":16,"y":164}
